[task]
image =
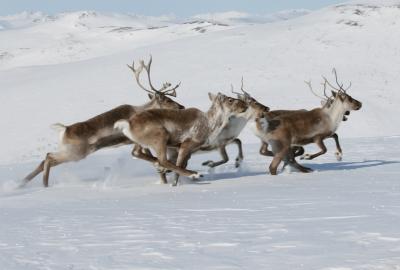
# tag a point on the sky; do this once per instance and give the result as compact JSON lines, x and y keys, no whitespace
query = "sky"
{"x":179,"y":8}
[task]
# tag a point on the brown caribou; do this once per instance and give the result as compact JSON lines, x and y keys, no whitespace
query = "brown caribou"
{"x":305,"y":127}
{"x":297,"y":150}
{"x":186,"y":130}
{"x":81,"y":139}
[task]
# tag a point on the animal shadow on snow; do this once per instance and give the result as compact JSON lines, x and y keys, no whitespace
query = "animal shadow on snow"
{"x":228,"y":172}
{"x":342,"y":166}
{"x":334,"y":166}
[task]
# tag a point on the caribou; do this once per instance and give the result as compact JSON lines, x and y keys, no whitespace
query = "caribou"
{"x":305,"y":127}
{"x":81,"y":139}
{"x":297,"y":150}
{"x":229,"y":134}
{"x":186,"y":130}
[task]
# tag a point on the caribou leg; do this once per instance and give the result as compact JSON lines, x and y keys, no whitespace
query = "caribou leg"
{"x":264,"y":150}
{"x":184,"y":154}
{"x":321,"y":145}
{"x":33,"y":174}
{"x":161,"y":151}
{"x":172,"y":156}
{"x":141,"y":153}
{"x":162,"y":162}
{"x":239,"y":158}
{"x":54,"y":159}
{"x":291,"y":160}
{"x":225,"y":158}
{"x":338,"y":153}
{"x":280,"y":152}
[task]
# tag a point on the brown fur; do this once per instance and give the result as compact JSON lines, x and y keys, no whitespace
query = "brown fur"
{"x":91,"y":127}
{"x":306,"y":127}
{"x":301,"y":125}
{"x":298,"y":150}
{"x":186,"y":129}
{"x":83,"y":138}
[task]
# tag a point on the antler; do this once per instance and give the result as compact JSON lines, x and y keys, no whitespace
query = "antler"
{"x":163,"y":90}
{"x":137,"y":72}
{"x":341,"y":89}
{"x":237,"y":93}
{"x":313,"y":92}
{"x":245,"y":93}
{"x":170,"y":92}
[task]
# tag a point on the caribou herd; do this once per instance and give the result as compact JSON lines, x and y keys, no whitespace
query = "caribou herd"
{"x":165,"y":133}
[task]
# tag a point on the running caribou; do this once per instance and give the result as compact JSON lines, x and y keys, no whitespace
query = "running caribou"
{"x":229,"y":134}
{"x":305,"y":127}
{"x":186,"y":130}
{"x":297,"y":150}
{"x":81,"y":139}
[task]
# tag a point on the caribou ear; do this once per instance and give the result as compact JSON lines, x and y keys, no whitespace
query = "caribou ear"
{"x":334,"y":93}
{"x":211,"y":96}
{"x":151,"y":96}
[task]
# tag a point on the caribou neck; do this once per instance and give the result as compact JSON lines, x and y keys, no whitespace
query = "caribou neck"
{"x":248,"y":115}
{"x":217,"y":120}
{"x":335,"y":112}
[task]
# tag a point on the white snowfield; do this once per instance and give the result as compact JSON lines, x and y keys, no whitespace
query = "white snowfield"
{"x":109,"y":212}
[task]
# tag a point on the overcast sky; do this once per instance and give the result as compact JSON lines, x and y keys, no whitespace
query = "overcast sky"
{"x":179,"y":8}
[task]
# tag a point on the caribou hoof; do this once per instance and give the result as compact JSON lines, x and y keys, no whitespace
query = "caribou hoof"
{"x":209,"y":163}
{"x":196,"y":176}
{"x":238,"y":162}
{"x":308,"y":170}
{"x":306,"y":157}
{"x":339,"y":156}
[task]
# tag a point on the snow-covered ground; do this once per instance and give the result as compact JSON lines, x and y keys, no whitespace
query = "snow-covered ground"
{"x":343,"y":216}
{"x":108,"y":212}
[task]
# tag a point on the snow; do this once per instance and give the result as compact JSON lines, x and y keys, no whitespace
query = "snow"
{"x":235,"y":17}
{"x":343,"y":216}
{"x":109,"y":212}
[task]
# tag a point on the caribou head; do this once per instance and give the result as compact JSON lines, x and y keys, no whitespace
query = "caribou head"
{"x":255,"y":106}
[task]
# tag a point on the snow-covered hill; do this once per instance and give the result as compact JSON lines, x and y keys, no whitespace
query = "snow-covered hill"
{"x":107,"y":213}
{"x":34,"y":38}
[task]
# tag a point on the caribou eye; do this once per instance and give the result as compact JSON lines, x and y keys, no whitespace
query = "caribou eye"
{"x":230,"y":100}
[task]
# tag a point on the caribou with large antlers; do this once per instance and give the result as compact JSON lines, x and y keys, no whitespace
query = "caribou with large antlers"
{"x":81,"y":139}
{"x":257,"y":109}
{"x":304,"y":127}
{"x":187,"y":130}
